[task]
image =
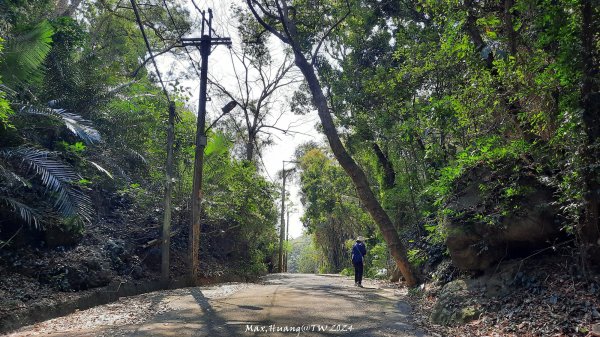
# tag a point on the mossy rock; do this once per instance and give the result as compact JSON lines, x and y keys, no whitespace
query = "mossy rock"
{"x":484,"y":226}
{"x":454,"y":305}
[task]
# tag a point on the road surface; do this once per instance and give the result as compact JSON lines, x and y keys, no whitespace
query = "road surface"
{"x":281,"y":305}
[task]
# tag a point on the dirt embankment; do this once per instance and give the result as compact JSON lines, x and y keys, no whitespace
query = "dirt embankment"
{"x":44,"y":277}
{"x":544,"y":295}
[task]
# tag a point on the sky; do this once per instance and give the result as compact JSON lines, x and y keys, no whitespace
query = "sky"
{"x":222,"y":69}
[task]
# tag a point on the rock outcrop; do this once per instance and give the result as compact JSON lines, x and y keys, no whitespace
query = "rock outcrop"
{"x":454,"y":305}
{"x":495,"y":215}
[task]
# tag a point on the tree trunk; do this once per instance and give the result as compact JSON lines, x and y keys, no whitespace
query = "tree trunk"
{"x":389,"y":175}
{"x":397,"y":249}
{"x":249,"y":149}
{"x":590,"y":99}
{"x":395,"y":275}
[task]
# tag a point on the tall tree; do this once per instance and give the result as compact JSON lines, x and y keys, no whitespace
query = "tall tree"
{"x":590,"y":96}
{"x":260,"y":79}
{"x":305,"y":33}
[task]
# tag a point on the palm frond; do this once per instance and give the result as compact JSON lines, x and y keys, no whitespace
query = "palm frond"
{"x":55,"y":103}
{"x":25,"y":53}
{"x":52,"y":172}
{"x":56,"y":176}
{"x":74,"y":204}
{"x":78,"y":125}
{"x":101,"y":169}
{"x":12,"y":178}
{"x":6,"y":89}
{"x":137,"y":155}
{"x":75,"y":123}
{"x":28,"y":214}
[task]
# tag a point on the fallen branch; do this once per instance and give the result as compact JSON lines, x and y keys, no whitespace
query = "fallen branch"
{"x":155,"y":242}
{"x":5,"y":243}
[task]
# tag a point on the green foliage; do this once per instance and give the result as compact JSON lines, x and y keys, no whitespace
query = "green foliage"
{"x":70,"y":80}
{"x":443,"y":89}
{"x":25,"y":52}
{"x":68,"y":34}
{"x":347,"y":272}
{"x":417,"y":257}
{"x":486,"y":151}
{"x":332,"y":209}
{"x":77,"y":148}
{"x":5,"y":110}
{"x":144,"y":199}
{"x":305,"y":256}
{"x":377,"y":261}
{"x":23,"y":63}
{"x":238,"y":203}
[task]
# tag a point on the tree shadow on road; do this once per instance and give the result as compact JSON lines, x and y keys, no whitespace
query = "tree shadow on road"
{"x":215,"y":325}
{"x":195,"y":317}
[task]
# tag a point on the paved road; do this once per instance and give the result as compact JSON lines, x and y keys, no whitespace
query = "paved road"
{"x":282,"y":305}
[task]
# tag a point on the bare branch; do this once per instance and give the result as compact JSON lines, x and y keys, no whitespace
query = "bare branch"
{"x":263,"y":23}
{"x":284,"y":131}
{"x":316,"y":52}
{"x":152,"y":57}
{"x":288,"y":27}
{"x":266,"y":12}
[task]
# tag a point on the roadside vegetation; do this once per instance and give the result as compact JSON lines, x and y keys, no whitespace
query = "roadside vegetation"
{"x":83,"y":129}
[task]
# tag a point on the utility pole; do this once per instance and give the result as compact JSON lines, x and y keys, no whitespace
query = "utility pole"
{"x":282,"y":225}
{"x":205,"y":42}
{"x":287,"y":234}
{"x":166,"y":229}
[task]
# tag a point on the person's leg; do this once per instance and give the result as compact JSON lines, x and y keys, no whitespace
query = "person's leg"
{"x":355,"y":272}
{"x":360,"y":267}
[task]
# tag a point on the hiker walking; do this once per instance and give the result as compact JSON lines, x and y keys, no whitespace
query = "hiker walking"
{"x":359,"y":250}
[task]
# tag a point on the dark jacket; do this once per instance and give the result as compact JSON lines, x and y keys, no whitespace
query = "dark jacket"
{"x":358,"y":251}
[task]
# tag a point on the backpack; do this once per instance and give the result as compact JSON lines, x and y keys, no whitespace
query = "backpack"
{"x":357,"y":254}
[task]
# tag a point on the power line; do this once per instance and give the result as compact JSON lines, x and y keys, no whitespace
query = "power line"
{"x":180,"y":36}
{"x":139,"y":22}
{"x":202,"y":13}
{"x":166,"y":227}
